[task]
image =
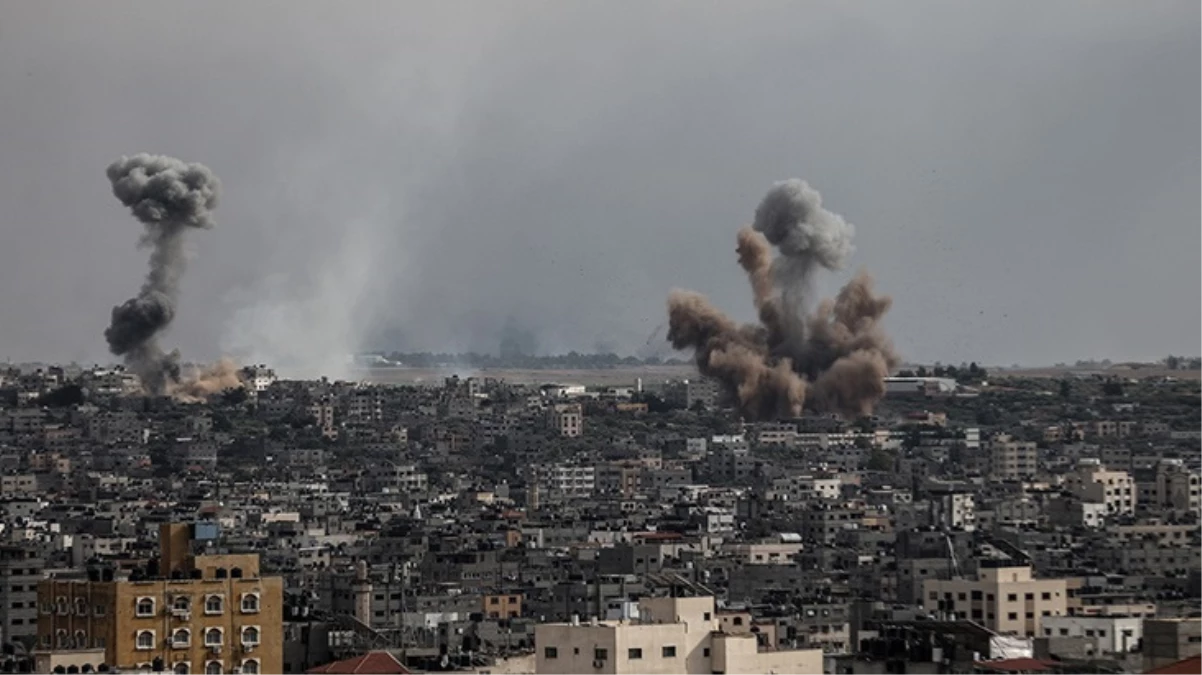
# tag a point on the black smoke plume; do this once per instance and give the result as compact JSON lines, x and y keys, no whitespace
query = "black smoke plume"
{"x":169,"y":197}
{"x":829,"y":358}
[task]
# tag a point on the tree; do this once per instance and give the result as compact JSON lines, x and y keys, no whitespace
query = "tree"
{"x":922,"y":371}
{"x":1066,"y":388}
{"x":880,"y":460}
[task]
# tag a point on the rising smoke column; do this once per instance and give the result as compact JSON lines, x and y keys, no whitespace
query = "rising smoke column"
{"x":839,"y":354}
{"x":169,"y":197}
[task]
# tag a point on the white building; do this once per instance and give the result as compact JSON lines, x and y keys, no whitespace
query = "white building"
{"x":671,"y":635}
{"x":1111,"y":634}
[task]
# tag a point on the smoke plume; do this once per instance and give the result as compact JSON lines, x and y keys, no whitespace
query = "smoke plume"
{"x":168,"y":197}
{"x":206,"y":381}
{"x":831,"y":358}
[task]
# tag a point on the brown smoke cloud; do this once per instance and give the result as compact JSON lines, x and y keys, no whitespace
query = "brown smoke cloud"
{"x":834,"y":359}
{"x":206,"y":381}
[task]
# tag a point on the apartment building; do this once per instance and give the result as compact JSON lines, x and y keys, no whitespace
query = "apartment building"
{"x":671,"y":635}
{"x":1109,"y":634}
{"x":1092,"y":482}
{"x":1011,"y":459}
{"x":188,"y":613}
{"x":20,"y":571}
{"x":1003,"y":597}
{"x":567,"y":419}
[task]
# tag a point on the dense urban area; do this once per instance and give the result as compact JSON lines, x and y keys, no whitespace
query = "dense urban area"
{"x":978,"y":522}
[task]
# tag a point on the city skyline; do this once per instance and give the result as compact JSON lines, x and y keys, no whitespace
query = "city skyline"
{"x":452,"y":178}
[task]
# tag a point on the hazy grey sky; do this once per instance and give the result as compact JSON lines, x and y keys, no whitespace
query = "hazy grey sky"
{"x":1023,"y":177}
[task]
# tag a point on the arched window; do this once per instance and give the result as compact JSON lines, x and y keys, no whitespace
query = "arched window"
{"x":182,"y":637}
{"x":145,"y":639}
{"x":214,"y":637}
{"x":60,"y":638}
{"x":81,"y":607}
{"x":250,"y":603}
{"x":145,"y":607}
{"x":81,"y":639}
{"x":250,"y":667}
{"x":182,"y":668}
{"x":213,"y":668}
{"x":250,"y":635}
{"x":182,"y":603}
{"x":214,"y":604}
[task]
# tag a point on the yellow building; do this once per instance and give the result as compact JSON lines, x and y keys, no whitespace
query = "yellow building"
{"x":194,"y":614}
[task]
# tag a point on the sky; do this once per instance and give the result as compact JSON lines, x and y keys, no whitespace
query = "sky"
{"x":1023,"y":177}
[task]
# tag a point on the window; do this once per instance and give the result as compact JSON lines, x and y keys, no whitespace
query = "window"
{"x":81,"y":640}
{"x":738,"y":621}
{"x":81,"y":607}
{"x":1028,"y":596}
{"x":989,"y":597}
{"x":705,"y":651}
{"x":669,"y":652}
{"x":250,"y":603}
{"x":1013,"y":616}
{"x":634,"y":653}
{"x":181,"y":604}
{"x":600,"y":654}
{"x":145,"y":607}
{"x":250,"y":635}
{"x":933,"y":595}
{"x":976,"y":595}
{"x":98,"y":610}
{"x":706,"y":617}
{"x":961,"y":597}
{"x":214,"y":637}
{"x":494,"y":601}
{"x":250,"y":667}
{"x":182,"y":668}
{"x":1012,"y":597}
{"x":550,"y":652}
{"x":213,"y":668}
{"x":60,"y":639}
{"x":1045,"y":596}
{"x":145,"y":639}
{"x":1088,"y":632}
{"x":214,"y":604}
{"x":181,"y":638}
{"x":62,"y":605}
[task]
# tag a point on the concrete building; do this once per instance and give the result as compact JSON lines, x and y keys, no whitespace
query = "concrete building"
{"x":1109,"y":634}
{"x":1171,"y":640}
{"x":1011,"y":459}
{"x":193,"y":614}
{"x":672,"y":635}
{"x":567,"y":419}
{"x":1005,"y":598}
{"x":1092,"y":482}
{"x":20,"y":571}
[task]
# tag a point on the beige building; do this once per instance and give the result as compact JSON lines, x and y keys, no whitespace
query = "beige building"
{"x":1011,"y":459}
{"x":197,"y":614}
{"x":567,"y":419}
{"x":1005,"y":599}
{"x":672,"y":635}
{"x":1092,"y":482}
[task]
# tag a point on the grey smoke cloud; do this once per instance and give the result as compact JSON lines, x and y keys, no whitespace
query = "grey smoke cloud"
{"x":791,"y":217}
{"x":169,"y":197}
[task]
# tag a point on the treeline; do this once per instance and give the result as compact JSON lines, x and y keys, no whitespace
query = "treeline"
{"x":965,"y":373}
{"x":1183,"y":362}
{"x":570,"y":361}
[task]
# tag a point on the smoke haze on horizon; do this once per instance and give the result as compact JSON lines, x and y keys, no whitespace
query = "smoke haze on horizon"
{"x":450,"y":177}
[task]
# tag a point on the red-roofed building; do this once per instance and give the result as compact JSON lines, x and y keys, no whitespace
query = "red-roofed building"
{"x":376,"y":663}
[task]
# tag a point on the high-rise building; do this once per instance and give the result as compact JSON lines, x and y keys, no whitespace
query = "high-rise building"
{"x":20,"y":571}
{"x":185,"y":613}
